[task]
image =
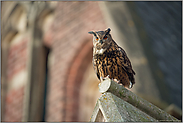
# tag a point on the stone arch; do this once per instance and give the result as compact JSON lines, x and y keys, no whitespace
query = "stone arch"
{"x":11,"y":18}
{"x":37,"y":67}
{"x":44,"y":24}
{"x":14,"y":23}
{"x":12,"y":29}
{"x":89,"y":93}
{"x":9,"y":32}
{"x":16,"y":16}
{"x":74,"y":79}
{"x":45,"y":12}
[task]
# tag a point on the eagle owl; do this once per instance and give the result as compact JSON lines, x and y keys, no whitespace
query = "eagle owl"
{"x":110,"y":60}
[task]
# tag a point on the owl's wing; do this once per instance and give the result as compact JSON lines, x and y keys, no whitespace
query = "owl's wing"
{"x":126,"y":62}
{"x":96,"y":69}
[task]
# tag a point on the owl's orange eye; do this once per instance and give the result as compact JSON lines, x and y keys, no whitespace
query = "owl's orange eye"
{"x":105,"y":37}
{"x":97,"y":39}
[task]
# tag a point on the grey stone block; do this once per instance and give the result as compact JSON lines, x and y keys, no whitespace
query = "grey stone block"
{"x":117,"y":104}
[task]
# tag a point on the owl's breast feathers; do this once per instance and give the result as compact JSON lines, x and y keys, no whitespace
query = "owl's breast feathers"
{"x":115,"y":63}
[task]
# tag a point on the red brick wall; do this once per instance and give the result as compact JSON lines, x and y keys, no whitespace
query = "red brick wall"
{"x":74,"y":79}
{"x":72,"y":52}
{"x":14,"y":105}
{"x":71,"y":49}
{"x":17,"y":59}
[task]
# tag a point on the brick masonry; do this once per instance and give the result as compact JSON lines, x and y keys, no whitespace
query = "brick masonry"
{"x":14,"y":102}
{"x":72,"y":52}
{"x":17,"y":59}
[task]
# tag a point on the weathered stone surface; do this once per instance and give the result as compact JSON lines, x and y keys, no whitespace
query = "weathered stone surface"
{"x":117,"y":104}
{"x":133,"y":99}
{"x":110,"y":108}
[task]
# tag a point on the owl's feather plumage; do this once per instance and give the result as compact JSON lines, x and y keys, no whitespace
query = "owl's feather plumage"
{"x":110,"y":60}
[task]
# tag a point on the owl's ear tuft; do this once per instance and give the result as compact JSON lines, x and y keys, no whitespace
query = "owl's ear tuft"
{"x":91,"y":32}
{"x":107,"y":31}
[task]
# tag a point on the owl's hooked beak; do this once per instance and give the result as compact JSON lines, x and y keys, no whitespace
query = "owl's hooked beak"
{"x":101,"y":41}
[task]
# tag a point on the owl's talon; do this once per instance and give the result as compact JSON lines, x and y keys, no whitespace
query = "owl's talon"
{"x":101,"y":79}
{"x":118,"y":81}
{"x":107,"y":77}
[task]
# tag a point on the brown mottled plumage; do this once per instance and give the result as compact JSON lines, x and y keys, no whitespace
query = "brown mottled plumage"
{"x":110,"y":60}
